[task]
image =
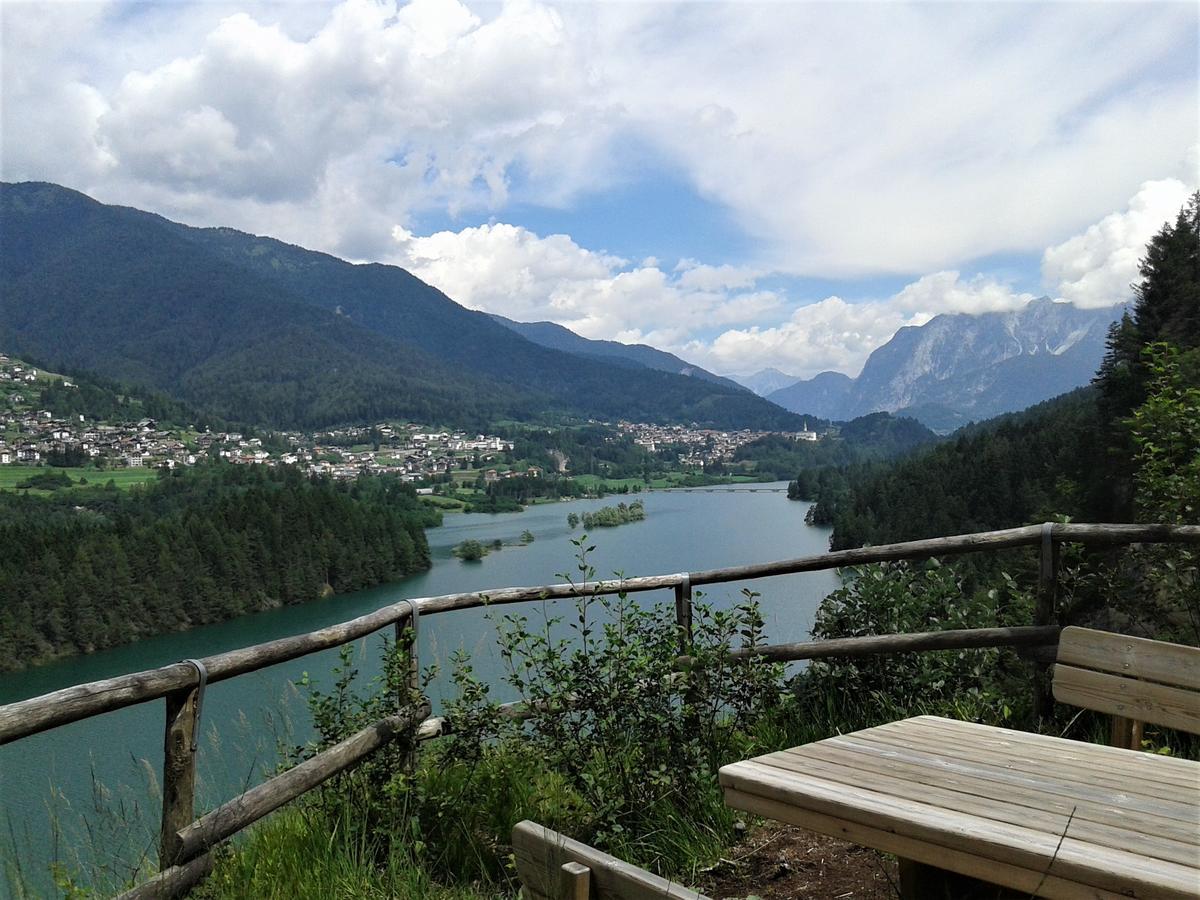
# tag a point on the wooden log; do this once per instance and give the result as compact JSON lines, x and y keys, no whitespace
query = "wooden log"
{"x":1045,"y":613}
{"x":683,"y":614}
{"x":179,"y":772}
{"x":951,"y":639}
{"x":1110,"y":534}
{"x":173,"y":882}
{"x":81,"y":701}
{"x":37,"y":714}
{"x":71,"y":704}
{"x":259,"y":801}
{"x":942,"y":546}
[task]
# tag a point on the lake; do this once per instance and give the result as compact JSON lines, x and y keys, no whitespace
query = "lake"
{"x":105,"y":769}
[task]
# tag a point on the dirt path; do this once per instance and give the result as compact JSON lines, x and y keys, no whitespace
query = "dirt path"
{"x":780,"y":862}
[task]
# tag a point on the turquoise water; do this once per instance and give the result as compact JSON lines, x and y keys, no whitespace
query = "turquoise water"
{"x":55,"y":777}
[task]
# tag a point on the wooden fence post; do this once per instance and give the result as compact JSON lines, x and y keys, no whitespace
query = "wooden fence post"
{"x":179,"y":764}
{"x":1045,"y":614}
{"x":683,"y":614}
{"x":410,"y":694}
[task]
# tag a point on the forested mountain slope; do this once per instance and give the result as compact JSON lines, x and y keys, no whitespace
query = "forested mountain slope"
{"x":256,"y":330}
{"x":556,"y":337}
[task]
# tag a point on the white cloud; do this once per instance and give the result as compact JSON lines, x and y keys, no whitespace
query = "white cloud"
{"x":844,"y":139}
{"x":892,"y":137}
{"x":834,"y":334}
{"x":1098,"y":267}
{"x":509,"y":270}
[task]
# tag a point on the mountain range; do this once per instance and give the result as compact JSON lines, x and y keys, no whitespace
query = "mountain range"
{"x":766,"y":381}
{"x":957,"y":368}
{"x":550,"y":334}
{"x":255,"y":330}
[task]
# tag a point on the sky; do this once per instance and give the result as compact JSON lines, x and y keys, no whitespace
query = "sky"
{"x":745,"y":184}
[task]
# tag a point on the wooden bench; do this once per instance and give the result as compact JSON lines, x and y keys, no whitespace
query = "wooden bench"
{"x":1133,"y":679}
{"x":551,"y":866}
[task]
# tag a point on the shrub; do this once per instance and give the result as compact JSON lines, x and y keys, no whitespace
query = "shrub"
{"x":470,"y":551}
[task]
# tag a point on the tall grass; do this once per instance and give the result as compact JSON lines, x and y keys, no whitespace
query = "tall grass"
{"x":302,"y":854}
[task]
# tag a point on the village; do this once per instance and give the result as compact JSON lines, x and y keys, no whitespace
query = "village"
{"x":30,"y":436}
{"x":700,"y":447}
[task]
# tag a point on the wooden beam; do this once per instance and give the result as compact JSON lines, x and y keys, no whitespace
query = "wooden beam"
{"x":259,"y":801}
{"x":951,"y":639}
{"x":576,"y":881}
{"x":1142,"y":701}
{"x":540,"y":853}
{"x":172,"y":882}
{"x":683,"y":614}
{"x":1045,"y":613}
{"x":179,"y":772}
{"x":81,"y":701}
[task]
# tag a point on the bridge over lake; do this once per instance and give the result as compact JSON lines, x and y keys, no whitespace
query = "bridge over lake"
{"x":720,"y":489}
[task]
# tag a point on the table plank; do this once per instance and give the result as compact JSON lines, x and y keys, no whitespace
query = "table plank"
{"x":1074,"y":765}
{"x":1104,"y":813}
{"x":963,"y":797}
{"x":1145,"y":766}
{"x":993,"y":803}
{"x":1179,"y":810}
{"x":1099,"y":751}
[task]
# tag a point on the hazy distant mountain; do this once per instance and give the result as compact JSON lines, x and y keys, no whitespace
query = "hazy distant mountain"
{"x":550,"y":334}
{"x":826,"y":395}
{"x":765,"y":381}
{"x":960,"y":367}
{"x":252,"y":329}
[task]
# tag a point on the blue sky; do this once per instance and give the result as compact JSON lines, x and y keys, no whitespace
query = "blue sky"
{"x":746,"y":184}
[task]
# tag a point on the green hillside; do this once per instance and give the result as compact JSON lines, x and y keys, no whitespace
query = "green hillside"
{"x":255,"y":330}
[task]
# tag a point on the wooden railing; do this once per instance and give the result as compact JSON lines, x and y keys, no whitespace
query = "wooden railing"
{"x":185,"y":840}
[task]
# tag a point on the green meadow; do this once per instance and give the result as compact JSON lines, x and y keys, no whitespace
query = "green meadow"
{"x":11,"y":476}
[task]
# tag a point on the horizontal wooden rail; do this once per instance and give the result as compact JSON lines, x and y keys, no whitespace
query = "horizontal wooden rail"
{"x":882,"y":644}
{"x":261,"y":800}
{"x":37,"y":714}
{"x":174,"y":881}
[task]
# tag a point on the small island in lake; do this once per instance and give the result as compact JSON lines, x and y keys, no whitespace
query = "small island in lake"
{"x":610,"y":516}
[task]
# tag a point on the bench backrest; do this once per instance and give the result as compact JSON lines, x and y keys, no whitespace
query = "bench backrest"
{"x":1130,"y":677}
{"x":551,"y":866}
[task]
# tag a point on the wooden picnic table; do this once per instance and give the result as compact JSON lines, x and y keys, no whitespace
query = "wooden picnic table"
{"x":1044,"y":815}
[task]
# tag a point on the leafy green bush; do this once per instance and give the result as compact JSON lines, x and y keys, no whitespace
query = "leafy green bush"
{"x":899,"y":598}
{"x":630,"y":730}
{"x":470,"y":551}
{"x":46,"y":481}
